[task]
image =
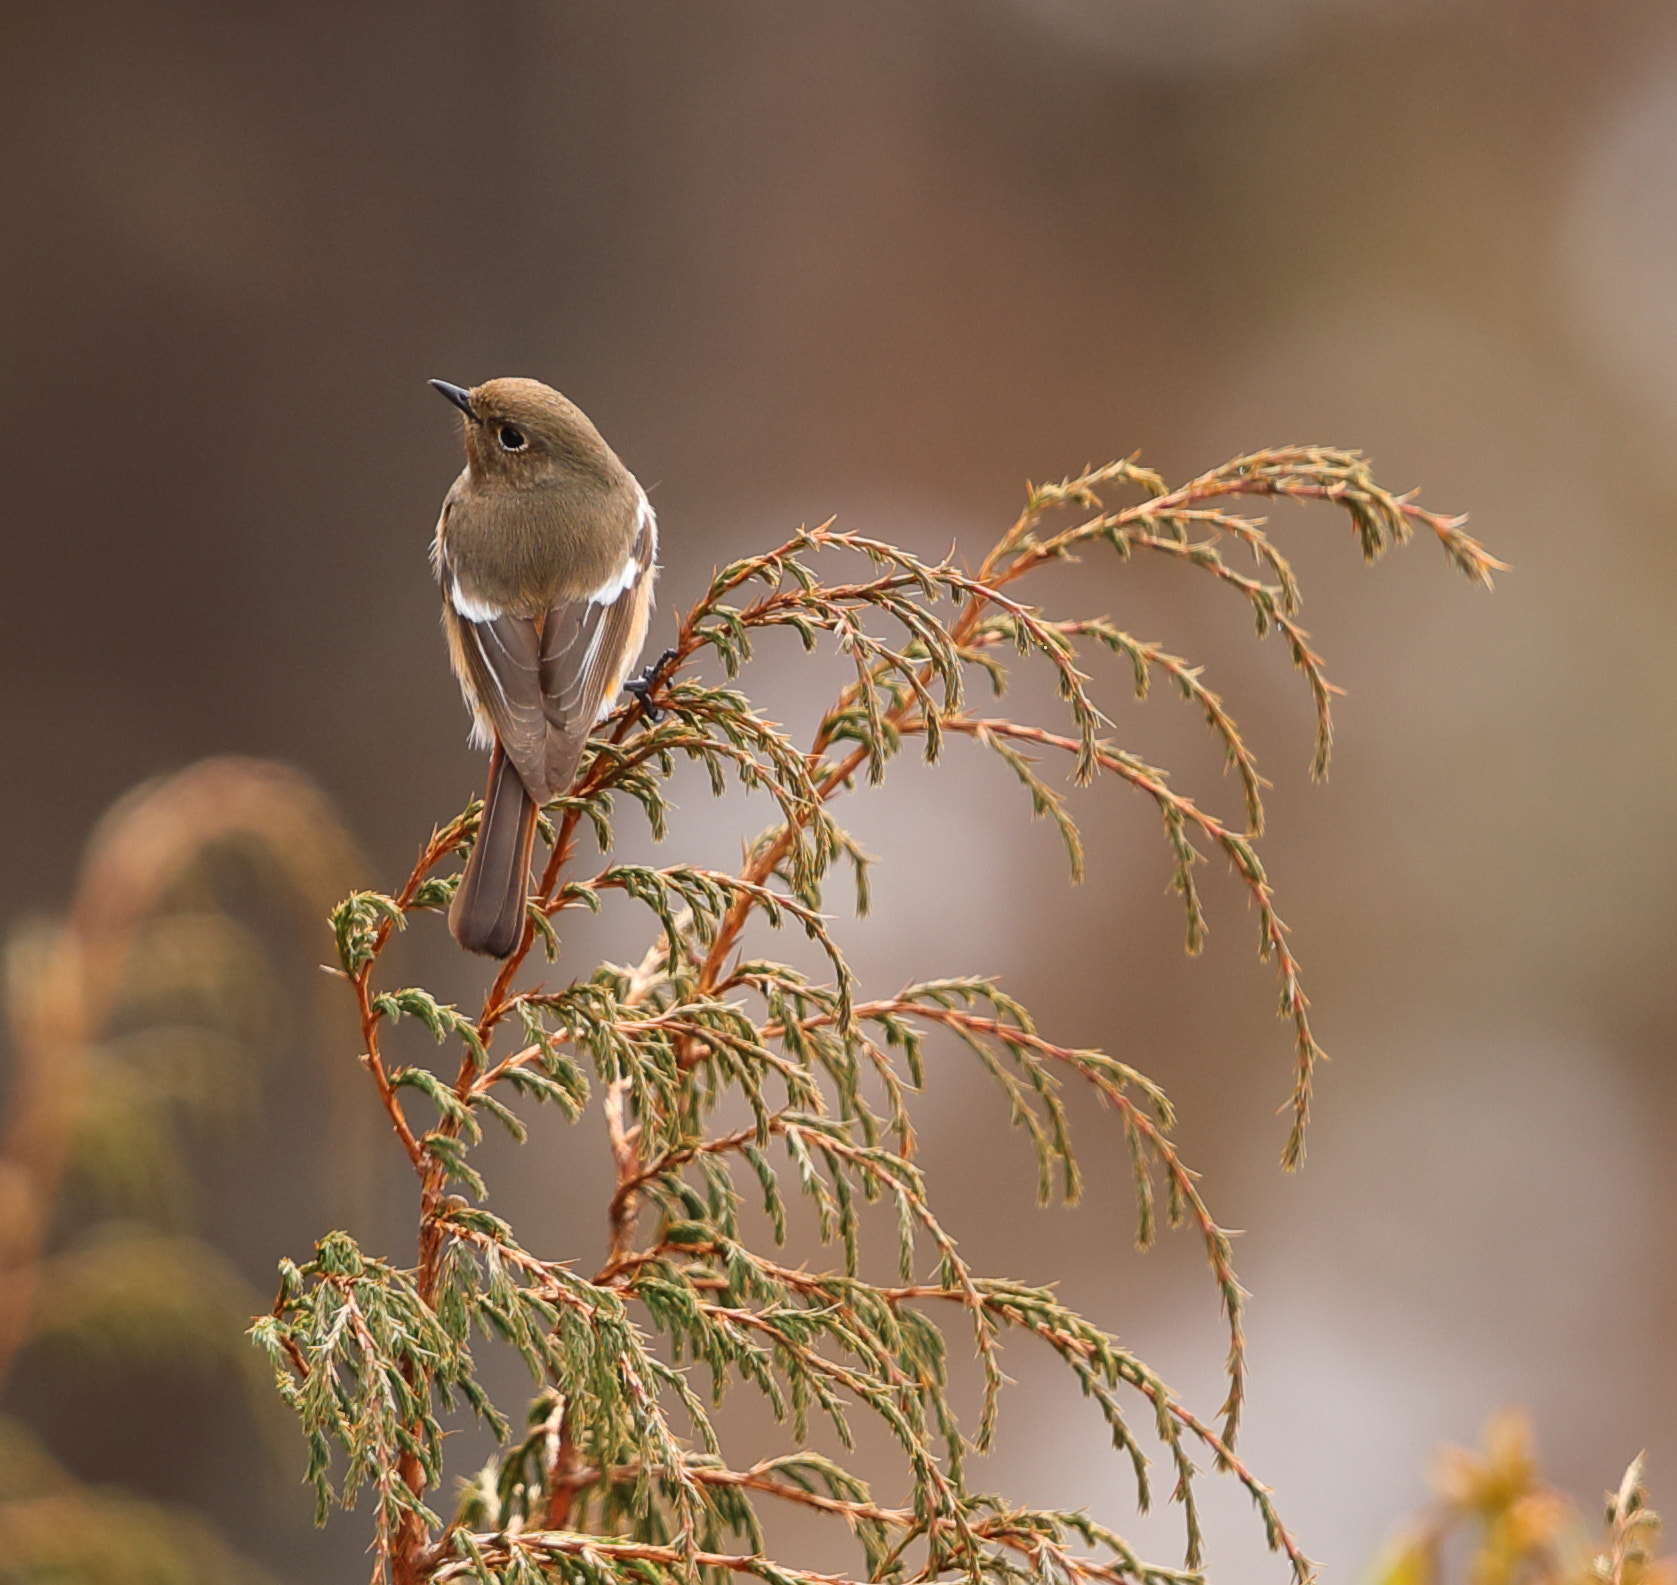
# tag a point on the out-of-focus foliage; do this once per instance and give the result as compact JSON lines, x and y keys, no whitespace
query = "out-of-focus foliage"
{"x":1520,"y":1530}
{"x":56,"y":1531}
{"x":616,"y":1472}
{"x":145,"y":1009}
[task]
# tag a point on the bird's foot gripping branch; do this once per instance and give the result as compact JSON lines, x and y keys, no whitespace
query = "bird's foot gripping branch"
{"x":615,"y":1471}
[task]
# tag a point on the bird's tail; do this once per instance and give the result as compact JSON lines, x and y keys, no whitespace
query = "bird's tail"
{"x":488,"y":911}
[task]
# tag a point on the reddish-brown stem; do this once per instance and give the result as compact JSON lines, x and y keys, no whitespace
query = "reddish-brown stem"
{"x":565,"y":1543}
{"x":374,"y":1063}
{"x":566,"y":1476}
{"x":760,"y":1478}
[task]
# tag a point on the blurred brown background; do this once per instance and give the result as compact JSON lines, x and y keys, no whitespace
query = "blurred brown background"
{"x":889,"y":261}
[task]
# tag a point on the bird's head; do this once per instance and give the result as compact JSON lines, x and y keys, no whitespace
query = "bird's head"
{"x":521,"y":433}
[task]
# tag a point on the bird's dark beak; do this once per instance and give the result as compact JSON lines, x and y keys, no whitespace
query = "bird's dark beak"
{"x":461,"y":398}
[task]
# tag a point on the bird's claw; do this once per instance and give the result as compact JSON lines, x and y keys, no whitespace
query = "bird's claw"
{"x":641,"y":687}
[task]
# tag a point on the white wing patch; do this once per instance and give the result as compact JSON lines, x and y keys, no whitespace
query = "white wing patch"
{"x":616,"y":585}
{"x":472,"y":610}
{"x":620,"y":584}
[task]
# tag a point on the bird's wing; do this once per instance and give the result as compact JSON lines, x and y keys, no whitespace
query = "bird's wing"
{"x":498,"y":659}
{"x":588,"y":646}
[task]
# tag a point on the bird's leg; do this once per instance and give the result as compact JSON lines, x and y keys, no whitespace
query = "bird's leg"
{"x":641,"y":687}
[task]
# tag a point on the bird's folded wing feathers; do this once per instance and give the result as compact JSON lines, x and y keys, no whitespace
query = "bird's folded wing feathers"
{"x":543,"y":687}
{"x":587,"y":649}
{"x":502,"y":656}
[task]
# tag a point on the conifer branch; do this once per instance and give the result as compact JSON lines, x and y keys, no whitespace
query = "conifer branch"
{"x":618,"y":1476}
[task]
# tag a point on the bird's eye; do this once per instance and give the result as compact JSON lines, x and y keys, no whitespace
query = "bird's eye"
{"x":511,"y":439}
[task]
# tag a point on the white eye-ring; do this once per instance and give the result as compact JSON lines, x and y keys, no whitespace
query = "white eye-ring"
{"x":511,"y":439}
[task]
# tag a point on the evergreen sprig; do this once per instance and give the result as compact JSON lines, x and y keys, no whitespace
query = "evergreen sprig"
{"x":617,"y":1475}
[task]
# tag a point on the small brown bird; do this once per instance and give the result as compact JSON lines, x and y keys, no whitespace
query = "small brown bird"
{"x":546,"y":551}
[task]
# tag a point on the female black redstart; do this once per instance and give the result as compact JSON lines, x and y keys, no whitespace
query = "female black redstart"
{"x":546,"y":551}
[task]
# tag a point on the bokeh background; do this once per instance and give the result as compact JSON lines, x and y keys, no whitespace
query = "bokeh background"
{"x":888,"y":261}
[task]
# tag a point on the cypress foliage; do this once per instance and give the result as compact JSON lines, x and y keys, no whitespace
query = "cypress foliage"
{"x":614,"y":1472}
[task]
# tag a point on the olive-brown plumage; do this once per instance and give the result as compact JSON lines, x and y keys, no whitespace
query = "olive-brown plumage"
{"x":546,"y":552}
